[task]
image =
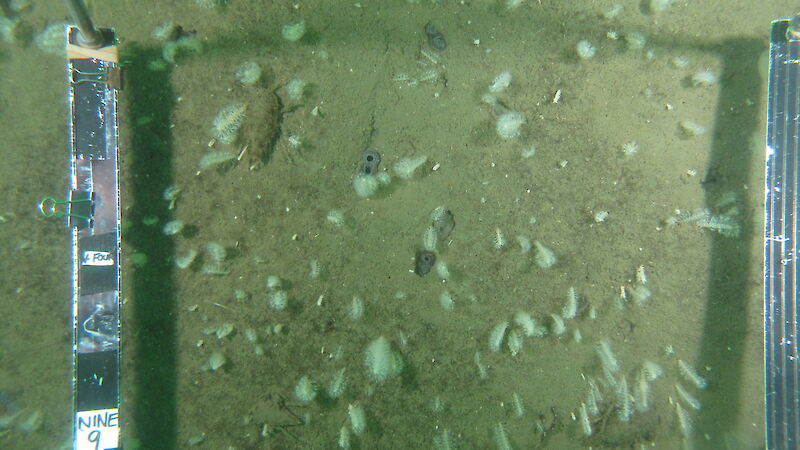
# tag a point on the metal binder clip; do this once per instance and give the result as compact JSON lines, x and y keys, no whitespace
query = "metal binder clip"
{"x":78,"y":210}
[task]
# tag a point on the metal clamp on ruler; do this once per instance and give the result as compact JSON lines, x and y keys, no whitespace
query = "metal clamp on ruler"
{"x":93,"y":216}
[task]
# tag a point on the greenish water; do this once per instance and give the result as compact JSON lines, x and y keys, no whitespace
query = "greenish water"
{"x":706,"y":288}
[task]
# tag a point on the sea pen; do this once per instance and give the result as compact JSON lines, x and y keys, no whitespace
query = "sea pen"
{"x":344,"y":438}
{"x":444,"y":440}
{"x":338,"y":384}
{"x":545,"y":258}
{"x":499,"y":239}
{"x":571,"y":306}
{"x":519,"y":407}
{"x":515,"y":341}
{"x":358,"y":419}
{"x":583,"y":417}
{"x":483,"y":371}
{"x":227,"y":122}
{"x":607,"y":357}
{"x":642,"y":391}
{"x":501,"y":438}
{"x":624,"y":404}
{"x":381,"y":360}
{"x":688,"y":398}
{"x":496,"y":336}
{"x":558,"y":327}
{"x":684,"y":422}
{"x":691,"y":375}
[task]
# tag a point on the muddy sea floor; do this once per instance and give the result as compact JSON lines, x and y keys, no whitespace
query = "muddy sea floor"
{"x":270,"y":211}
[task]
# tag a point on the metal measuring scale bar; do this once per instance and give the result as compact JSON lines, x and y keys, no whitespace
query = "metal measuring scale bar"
{"x":93,"y":216}
{"x":781,"y":269}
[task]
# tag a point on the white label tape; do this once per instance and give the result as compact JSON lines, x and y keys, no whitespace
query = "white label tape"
{"x":97,"y":430}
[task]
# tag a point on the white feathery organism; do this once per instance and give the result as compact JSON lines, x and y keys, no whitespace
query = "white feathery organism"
{"x":430,"y":238}
{"x":171,"y":194}
{"x":558,"y":327}
{"x":545,"y":258}
{"x":570,"y":308}
{"x":496,"y":336}
{"x":444,"y":440}
{"x":585,"y":49}
{"x":315,"y":269}
{"x":592,"y":400}
{"x":642,"y":392}
{"x":656,"y":6}
{"x":437,"y":405}
{"x":293,"y":32}
{"x":630,"y":148}
{"x":613,"y":11}
{"x":509,"y":124}
{"x":515,"y":341}
{"x":335,"y":217}
{"x":641,"y":275}
{"x":216,"y":252}
{"x":501,"y":438}
{"x":295,"y":89}
{"x":251,"y":335}
{"x":684,"y":421}
{"x":704,"y":78}
{"x":183,"y":47}
{"x":441,"y":269}
{"x":528,"y":151}
{"x":624,"y":403}
{"x":652,"y":370}
{"x":607,"y":357}
{"x":483,"y":371}
{"x":690,"y":400}
{"x":524,"y":244}
{"x":690,"y":128}
{"x":186,"y":260}
{"x":583,"y":417}
{"x":338,"y":384}
{"x":406,"y":167}
{"x":173,"y":227}
{"x":365,"y":185}
{"x":248,"y":73}
{"x":635,"y":40}
{"x":680,"y":62}
{"x":216,"y":361}
{"x":446,"y":301}
{"x":691,"y":375}
{"x":227,"y":123}
{"x":500,"y":82}
{"x":519,"y":407}
{"x":499,"y":239}
{"x":344,"y":438}
{"x":641,"y":294}
{"x":215,"y":158}
{"x":358,"y":419}
{"x":381,"y":360}
{"x":511,"y":4}
{"x":273,"y":282}
{"x":356,"y":310}
{"x":528,"y":325}
{"x":278,"y":300}
{"x":306,"y":390}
